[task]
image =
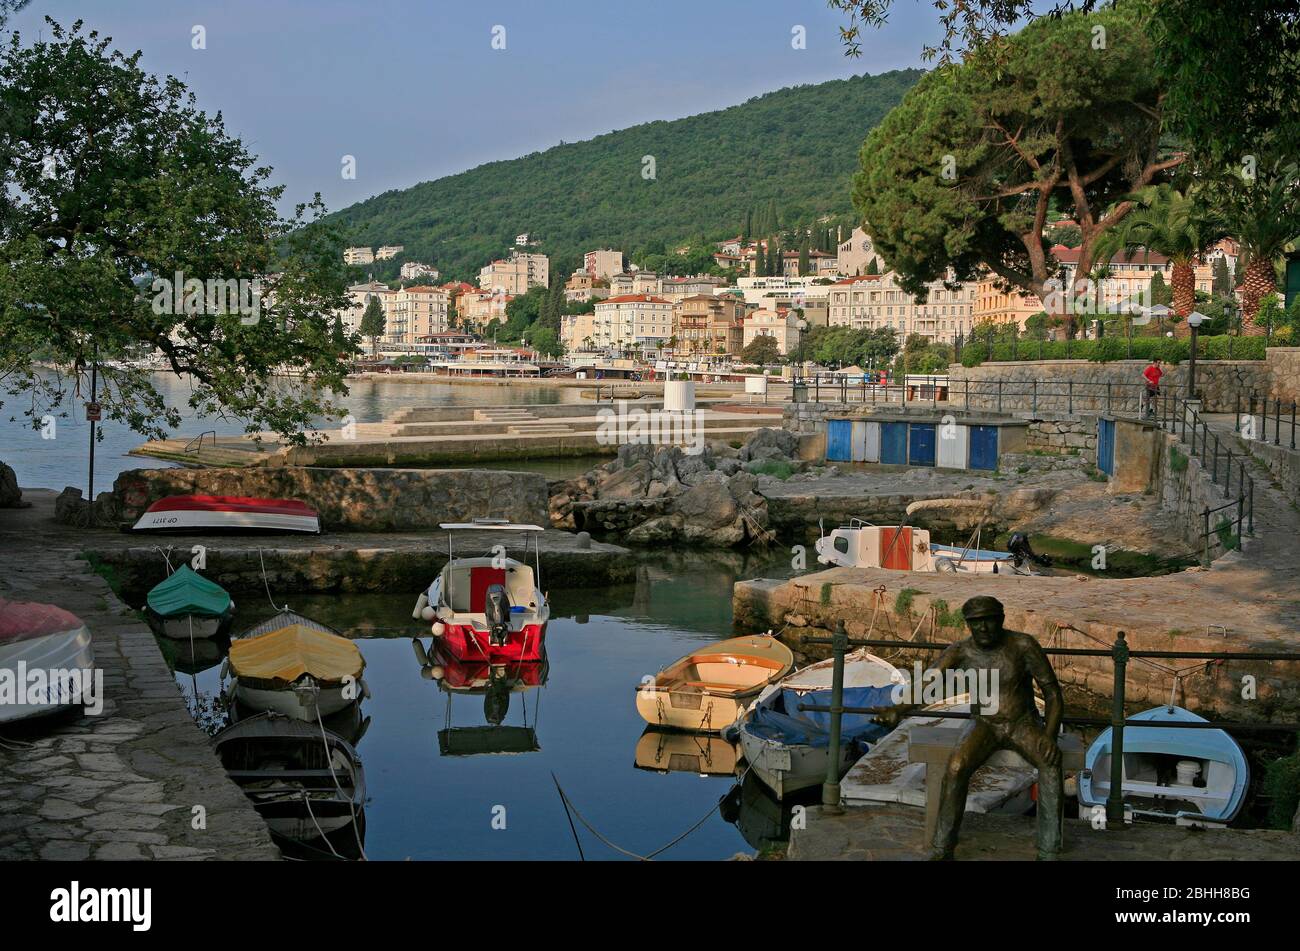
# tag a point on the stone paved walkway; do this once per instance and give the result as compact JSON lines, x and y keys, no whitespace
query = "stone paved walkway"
{"x":124,"y":784}
{"x":895,"y":833}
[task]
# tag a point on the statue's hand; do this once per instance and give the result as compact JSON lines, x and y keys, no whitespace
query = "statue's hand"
{"x":889,"y":718}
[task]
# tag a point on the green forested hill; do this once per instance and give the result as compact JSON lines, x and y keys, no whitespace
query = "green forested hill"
{"x":796,"y":147}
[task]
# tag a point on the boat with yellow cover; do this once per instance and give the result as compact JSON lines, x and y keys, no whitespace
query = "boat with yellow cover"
{"x":708,"y":688}
{"x":293,"y":665}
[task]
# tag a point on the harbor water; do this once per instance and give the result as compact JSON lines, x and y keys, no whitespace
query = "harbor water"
{"x":426,"y":802}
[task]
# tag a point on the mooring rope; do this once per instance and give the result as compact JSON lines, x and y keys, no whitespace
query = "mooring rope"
{"x":568,"y":803}
{"x":267,"y":584}
{"x":352,"y":806}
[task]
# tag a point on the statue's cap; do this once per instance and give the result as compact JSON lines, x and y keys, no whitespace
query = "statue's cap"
{"x":982,"y":606}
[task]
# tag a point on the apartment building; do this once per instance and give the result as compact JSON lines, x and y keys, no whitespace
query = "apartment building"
{"x":413,"y":270}
{"x":1003,"y":306}
{"x":603,"y":263}
{"x":475,"y":308}
{"x":820,"y":263}
{"x":420,"y":311}
{"x":635,"y":282}
{"x":359,"y":295}
{"x":516,"y":274}
{"x":582,"y":287}
{"x":679,"y":288}
{"x":783,"y":326}
{"x":358,"y":256}
{"x":872,"y":301}
{"x":389,"y":251}
{"x":632,"y":321}
{"x":708,"y":325}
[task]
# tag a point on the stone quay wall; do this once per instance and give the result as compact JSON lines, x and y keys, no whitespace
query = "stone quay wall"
{"x":1284,"y":373}
{"x":1063,"y":434}
{"x":1081,"y":386}
{"x":348,"y":500}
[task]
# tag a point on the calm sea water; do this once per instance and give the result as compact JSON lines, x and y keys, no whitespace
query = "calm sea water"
{"x":62,"y":461}
{"x":425,"y":804}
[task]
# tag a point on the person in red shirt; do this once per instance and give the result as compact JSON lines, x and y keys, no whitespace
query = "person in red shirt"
{"x":1152,"y":373}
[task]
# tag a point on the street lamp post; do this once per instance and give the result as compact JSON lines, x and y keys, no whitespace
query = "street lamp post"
{"x":1193,"y":320}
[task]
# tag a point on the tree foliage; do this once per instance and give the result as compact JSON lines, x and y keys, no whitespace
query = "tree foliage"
{"x":963,"y":173}
{"x":762,"y":350}
{"x":791,"y":144}
{"x":117,"y":181}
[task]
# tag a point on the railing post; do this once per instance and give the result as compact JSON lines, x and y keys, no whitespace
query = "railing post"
{"x":1108,"y":396}
{"x":1115,"y":800}
{"x":1227,"y":482}
{"x":1277,"y":422}
{"x":999,"y":396}
{"x":1035,"y":402}
{"x":1250,"y":519}
{"x":1205,"y":523}
{"x":831,"y":788}
{"x":1069,"y":391}
{"x":1241,"y":515}
{"x":1293,"y":424}
{"x":1236,"y":413}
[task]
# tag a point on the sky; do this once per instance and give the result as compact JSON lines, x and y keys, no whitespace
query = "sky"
{"x":414,"y":89}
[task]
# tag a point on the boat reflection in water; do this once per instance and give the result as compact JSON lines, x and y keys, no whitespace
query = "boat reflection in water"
{"x":762,"y":819}
{"x":672,"y":751}
{"x":496,"y":684}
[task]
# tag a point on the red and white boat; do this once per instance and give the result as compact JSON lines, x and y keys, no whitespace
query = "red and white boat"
{"x":45,"y":656}
{"x":228,"y":513}
{"x":490,"y":608}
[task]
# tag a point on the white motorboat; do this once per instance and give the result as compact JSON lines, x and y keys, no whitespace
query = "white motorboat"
{"x":228,"y":513}
{"x":46,"y":657}
{"x":860,"y":544}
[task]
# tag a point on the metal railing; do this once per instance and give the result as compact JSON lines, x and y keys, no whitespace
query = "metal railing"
{"x":1119,"y":653}
{"x":1175,"y":416}
{"x":991,"y":395}
{"x":196,"y":444}
{"x":1283,"y":416}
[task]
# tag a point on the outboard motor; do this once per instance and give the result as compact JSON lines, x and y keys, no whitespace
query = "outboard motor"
{"x":1018,"y":545}
{"x":496,"y":608}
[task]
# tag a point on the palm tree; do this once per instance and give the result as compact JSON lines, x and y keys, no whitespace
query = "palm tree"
{"x":1263,"y":214}
{"x":1169,"y":222}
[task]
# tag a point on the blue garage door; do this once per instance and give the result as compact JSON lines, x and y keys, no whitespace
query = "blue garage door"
{"x":838,"y":440}
{"x":984,"y":447}
{"x":893,"y":444}
{"x":1106,"y":446}
{"x":920,"y":451}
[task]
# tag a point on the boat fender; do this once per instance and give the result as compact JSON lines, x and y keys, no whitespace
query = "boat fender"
{"x":436,"y":672}
{"x":428,"y":613}
{"x":439,"y":629}
{"x":420,"y":653}
{"x":365,"y":688}
{"x":947,"y":564}
{"x":225,"y":668}
{"x":421,"y":602}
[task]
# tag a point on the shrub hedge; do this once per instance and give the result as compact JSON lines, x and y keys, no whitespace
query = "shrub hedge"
{"x":1166,"y":349}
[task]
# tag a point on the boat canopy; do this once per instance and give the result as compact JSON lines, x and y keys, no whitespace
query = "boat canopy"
{"x":186,"y":591}
{"x":281,"y":657}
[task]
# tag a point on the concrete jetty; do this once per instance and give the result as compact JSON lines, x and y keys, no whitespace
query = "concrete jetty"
{"x":896,"y":833}
{"x":422,"y":436}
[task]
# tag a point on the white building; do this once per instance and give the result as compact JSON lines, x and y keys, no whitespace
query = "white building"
{"x":358,"y":256}
{"x":761,"y":291}
{"x":631,"y":321}
{"x":875,"y":300}
{"x":413,"y":270}
{"x":388,"y":252}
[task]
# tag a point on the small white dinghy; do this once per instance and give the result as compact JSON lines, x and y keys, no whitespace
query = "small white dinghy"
{"x":861,"y":544}
{"x":884,"y":775}
{"x":788,"y":748}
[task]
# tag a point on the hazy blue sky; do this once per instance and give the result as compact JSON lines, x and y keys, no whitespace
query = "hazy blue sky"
{"x":414,"y":89}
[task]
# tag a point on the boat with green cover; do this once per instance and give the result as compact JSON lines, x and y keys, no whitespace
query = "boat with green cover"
{"x":186,"y":605}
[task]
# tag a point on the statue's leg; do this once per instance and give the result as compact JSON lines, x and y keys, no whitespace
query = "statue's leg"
{"x":1032,"y":742}
{"x":971,"y":752}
